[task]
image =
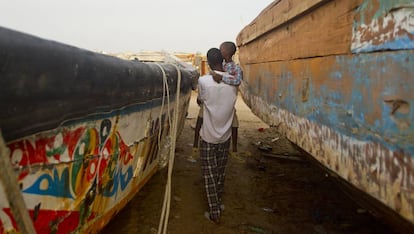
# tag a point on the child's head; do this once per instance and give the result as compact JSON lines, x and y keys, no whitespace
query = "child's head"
{"x":228,"y":49}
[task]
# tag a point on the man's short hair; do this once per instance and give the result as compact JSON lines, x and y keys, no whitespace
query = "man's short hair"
{"x":214,"y":57}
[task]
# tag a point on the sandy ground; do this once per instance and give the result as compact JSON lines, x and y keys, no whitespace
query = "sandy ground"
{"x":270,"y":188}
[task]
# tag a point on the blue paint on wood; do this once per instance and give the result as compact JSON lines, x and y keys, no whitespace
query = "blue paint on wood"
{"x":385,"y":6}
{"x":55,"y":185}
{"x":360,"y":111}
{"x":133,"y":108}
{"x":392,"y":72}
{"x":402,"y":43}
{"x":383,"y":25}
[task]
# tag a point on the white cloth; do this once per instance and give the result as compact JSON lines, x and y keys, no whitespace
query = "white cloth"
{"x":218,"y":100}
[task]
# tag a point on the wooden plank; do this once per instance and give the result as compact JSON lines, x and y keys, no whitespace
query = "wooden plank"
{"x":276,"y":14}
{"x":327,"y":31}
{"x":11,"y":188}
{"x":278,"y":156}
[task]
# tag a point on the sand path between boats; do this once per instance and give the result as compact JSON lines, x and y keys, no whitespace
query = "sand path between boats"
{"x":270,"y":188}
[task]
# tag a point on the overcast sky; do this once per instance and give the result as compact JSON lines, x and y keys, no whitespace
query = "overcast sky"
{"x":132,"y":25}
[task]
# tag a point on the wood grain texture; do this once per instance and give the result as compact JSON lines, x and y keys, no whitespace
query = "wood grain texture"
{"x":337,"y":81}
{"x":276,"y":14}
{"x":327,"y":31}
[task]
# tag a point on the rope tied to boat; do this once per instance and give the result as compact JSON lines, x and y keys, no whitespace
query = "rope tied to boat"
{"x":163,"y":225}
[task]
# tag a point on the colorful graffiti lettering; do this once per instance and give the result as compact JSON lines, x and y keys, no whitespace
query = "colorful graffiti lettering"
{"x":85,"y":168}
{"x":94,"y":155}
{"x":56,"y":186}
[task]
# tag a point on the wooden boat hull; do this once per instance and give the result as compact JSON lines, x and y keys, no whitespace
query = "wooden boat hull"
{"x":336,"y":78}
{"x":84,"y":131}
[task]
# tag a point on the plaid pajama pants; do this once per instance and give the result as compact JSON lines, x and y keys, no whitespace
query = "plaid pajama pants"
{"x":213,"y":158}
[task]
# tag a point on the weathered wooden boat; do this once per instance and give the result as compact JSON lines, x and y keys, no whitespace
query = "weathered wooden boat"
{"x":84,"y":131}
{"x":336,"y":77}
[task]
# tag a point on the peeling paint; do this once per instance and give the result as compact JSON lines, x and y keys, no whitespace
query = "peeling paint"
{"x":356,"y":120}
{"x":352,"y":109}
{"x":384,"y":25}
{"x":384,"y":174}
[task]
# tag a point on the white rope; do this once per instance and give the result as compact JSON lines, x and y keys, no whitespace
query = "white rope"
{"x":165,"y":92}
{"x":162,"y":228}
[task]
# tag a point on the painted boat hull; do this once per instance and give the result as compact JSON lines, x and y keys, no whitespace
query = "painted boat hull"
{"x":336,"y":77}
{"x":82,"y":130}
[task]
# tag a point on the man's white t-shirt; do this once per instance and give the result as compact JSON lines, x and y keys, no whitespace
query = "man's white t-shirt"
{"x":218,"y":100}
